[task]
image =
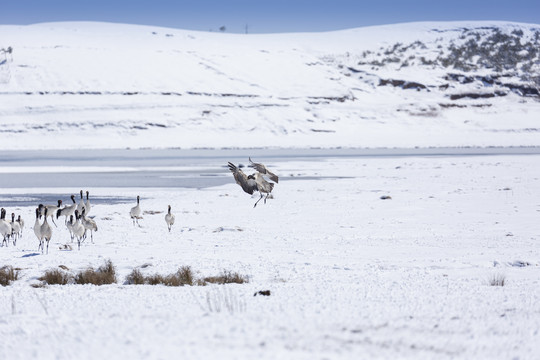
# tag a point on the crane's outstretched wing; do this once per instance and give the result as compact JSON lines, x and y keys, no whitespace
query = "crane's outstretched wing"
{"x":247,"y":183}
{"x":263,"y":170}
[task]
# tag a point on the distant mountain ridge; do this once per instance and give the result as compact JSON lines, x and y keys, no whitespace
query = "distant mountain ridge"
{"x":355,"y":88}
{"x":498,"y":59}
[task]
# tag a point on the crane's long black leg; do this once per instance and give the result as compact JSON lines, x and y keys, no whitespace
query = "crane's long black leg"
{"x":258,"y":200}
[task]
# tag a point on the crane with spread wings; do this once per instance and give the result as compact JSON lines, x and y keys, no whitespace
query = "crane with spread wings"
{"x":255,"y":181}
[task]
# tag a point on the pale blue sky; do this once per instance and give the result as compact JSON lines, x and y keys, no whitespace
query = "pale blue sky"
{"x":265,"y":16}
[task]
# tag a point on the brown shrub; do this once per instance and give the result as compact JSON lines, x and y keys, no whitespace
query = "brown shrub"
{"x":7,"y":275}
{"x":56,"y":277}
{"x":105,"y":274}
{"x":227,"y":277}
{"x":155,"y":279}
{"x":184,"y":276}
{"x":135,"y":278}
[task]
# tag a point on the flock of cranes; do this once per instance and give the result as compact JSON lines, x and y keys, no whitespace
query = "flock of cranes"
{"x":79,"y":224}
{"x":10,"y":229}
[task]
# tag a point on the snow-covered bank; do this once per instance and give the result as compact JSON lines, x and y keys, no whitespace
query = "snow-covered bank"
{"x":350,"y":275}
{"x":97,"y":85}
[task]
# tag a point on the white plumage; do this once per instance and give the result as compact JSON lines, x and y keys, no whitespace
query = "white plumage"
{"x":169,"y":219}
{"x":89,"y":224}
{"x":135,"y":212}
{"x":15,"y":229}
{"x":87,"y":205}
{"x":37,"y":227}
{"x":78,"y":229}
{"x":67,"y":210}
{"x":45,"y":231}
{"x":5,"y":227}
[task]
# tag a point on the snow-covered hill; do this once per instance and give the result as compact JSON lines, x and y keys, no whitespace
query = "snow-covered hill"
{"x":100,"y":85}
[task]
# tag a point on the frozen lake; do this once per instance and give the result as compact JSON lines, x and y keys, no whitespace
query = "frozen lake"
{"x":173,"y":168}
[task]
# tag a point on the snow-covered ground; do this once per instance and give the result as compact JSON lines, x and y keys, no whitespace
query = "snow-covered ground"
{"x":66,"y":84}
{"x":351,"y":275}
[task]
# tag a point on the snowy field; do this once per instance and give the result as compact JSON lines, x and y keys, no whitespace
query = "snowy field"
{"x":67,"y":84}
{"x":351,"y":275}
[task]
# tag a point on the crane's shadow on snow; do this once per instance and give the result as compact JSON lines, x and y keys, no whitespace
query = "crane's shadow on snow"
{"x":31,"y":254}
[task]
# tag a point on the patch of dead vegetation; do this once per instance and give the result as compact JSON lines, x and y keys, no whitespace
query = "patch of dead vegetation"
{"x":8,"y":274}
{"x":184,"y":276}
{"x":105,"y":274}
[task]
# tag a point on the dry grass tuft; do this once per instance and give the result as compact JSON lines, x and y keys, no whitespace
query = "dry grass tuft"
{"x":227,"y":277}
{"x":135,"y":278}
{"x":56,"y":277}
{"x":184,"y":276}
{"x":497,"y":280}
{"x":155,"y":279}
{"x":105,"y":274}
{"x":7,"y":275}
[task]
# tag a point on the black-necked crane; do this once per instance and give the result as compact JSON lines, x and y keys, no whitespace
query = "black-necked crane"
{"x":80,"y":207}
{"x":135,"y":212}
{"x":37,"y":227}
{"x":5,"y":227}
{"x":67,"y":210}
{"x":89,"y":224}
{"x":15,"y":229}
{"x":254,"y":182}
{"x":169,"y":219}
{"x":70,"y":225}
{"x":21,"y":223}
{"x":45,"y":231}
{"x":87,"y":205}
{"x":51,"y":210}
{"x":78,"y":228}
